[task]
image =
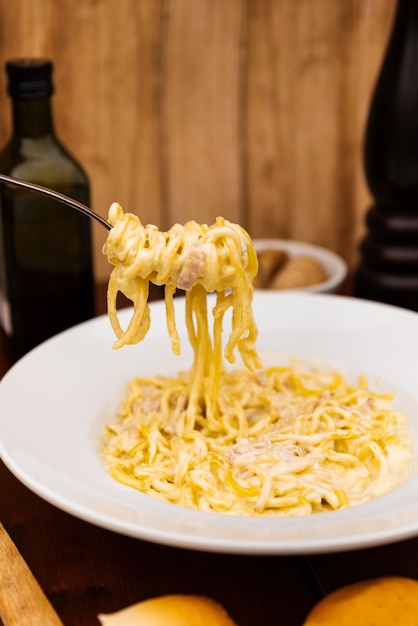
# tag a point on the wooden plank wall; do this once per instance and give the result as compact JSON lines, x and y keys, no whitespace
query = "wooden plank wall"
{"x":189,"y":109}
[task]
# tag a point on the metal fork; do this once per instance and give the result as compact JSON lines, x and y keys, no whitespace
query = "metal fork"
{"x":59,"y":197}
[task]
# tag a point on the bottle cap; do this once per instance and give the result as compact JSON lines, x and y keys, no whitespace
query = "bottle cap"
{"x":29,"y":78}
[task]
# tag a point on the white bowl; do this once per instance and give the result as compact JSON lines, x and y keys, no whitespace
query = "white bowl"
{"x":334,"y":266}
{"x":75,"y":382}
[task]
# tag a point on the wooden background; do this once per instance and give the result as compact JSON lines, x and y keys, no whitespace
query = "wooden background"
{"x":189,"y":109}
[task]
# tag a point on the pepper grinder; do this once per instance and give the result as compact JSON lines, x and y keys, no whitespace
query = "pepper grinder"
{"x":388,"y":269}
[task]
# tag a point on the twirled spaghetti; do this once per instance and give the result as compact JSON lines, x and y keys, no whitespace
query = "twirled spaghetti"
{"x":196,"y":258}
{"x":250,"y":441}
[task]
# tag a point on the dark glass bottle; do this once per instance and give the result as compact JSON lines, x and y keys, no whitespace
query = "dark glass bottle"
{"x":46,"y":274}
{"x":388,"y":269}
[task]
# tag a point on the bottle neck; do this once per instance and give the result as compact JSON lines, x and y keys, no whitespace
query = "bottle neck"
{"x":32,"y":118}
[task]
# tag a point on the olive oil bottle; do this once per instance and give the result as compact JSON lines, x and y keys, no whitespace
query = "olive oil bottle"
{"x":46,"y":272}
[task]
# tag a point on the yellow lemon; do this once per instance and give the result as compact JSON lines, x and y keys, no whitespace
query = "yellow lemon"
{"x":383,"y":601}
{"x":171,"y":610}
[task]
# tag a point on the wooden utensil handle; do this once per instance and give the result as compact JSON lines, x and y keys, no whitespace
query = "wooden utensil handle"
{"x":22,"y":600}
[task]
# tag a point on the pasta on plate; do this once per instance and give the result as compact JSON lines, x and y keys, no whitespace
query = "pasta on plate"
{"x":253,"y":440}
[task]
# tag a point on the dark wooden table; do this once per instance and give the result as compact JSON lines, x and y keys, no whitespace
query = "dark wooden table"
{"x":85,"y":570}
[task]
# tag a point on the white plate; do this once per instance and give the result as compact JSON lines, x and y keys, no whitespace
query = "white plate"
{"x":54,"y":401}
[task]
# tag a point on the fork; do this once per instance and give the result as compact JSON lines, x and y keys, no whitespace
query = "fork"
{"x":60,"y":197}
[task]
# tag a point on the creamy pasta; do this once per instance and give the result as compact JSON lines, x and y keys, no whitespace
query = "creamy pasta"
{"x":197,"y":259}
{"x":255,"y":440}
